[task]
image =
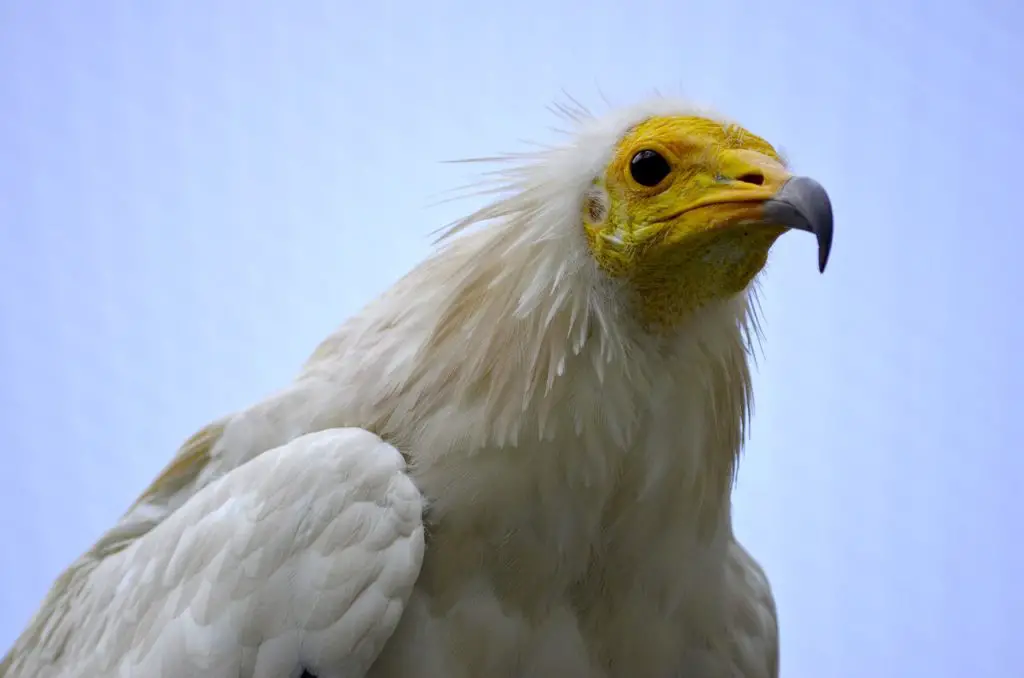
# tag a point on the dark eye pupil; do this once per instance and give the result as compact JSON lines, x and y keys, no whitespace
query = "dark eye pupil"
{"x":648,"y":168}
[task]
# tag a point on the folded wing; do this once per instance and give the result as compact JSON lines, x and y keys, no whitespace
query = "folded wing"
{"x":301,"y":559}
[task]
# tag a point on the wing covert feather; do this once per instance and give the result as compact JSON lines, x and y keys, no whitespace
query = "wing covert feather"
{"x":302,"y":557}
{"x":755,"y":634}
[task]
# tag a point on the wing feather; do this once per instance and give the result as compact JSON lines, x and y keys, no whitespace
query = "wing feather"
{"x":301,"y":558}
{"x":755,"y":628}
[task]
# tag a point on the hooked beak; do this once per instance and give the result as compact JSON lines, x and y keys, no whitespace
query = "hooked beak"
{"x":802,"y":203}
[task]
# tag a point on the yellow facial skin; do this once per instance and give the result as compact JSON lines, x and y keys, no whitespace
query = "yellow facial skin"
{"x":699,"y":234}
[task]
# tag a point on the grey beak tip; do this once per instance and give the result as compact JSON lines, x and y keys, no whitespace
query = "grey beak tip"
{"x":802,"y":203}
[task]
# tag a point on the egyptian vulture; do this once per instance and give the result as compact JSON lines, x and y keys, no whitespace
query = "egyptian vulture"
{"x":516,"y":462}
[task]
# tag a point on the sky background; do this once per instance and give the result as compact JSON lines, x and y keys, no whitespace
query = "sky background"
{"x":192,"y":194}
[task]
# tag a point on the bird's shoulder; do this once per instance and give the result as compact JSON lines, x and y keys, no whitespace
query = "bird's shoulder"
{"x":303,"y":556}
{"x":754,"y":630}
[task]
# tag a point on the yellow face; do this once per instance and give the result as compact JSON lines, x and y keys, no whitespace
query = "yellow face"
{"x":679,"y":213}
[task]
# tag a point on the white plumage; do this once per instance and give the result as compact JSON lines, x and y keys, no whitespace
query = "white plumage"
{"x":303,"y":557}
{"x":574,"y":470}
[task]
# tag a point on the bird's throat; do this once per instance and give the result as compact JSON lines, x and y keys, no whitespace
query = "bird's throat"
{"x":672,"y":283}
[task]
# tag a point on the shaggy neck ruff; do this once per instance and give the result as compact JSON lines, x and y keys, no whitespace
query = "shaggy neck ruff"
{"x":508,"y":361}
{"x":511,"y":337}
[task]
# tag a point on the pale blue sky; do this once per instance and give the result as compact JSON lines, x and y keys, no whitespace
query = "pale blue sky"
{"x":193,"y":194}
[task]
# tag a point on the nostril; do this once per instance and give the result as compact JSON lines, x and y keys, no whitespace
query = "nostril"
{"x":752,"y":178}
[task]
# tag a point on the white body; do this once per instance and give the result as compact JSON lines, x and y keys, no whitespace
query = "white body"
{"x":575,"y":475}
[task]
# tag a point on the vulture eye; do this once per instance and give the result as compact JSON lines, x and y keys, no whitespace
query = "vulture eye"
{"x":648,"y":168}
